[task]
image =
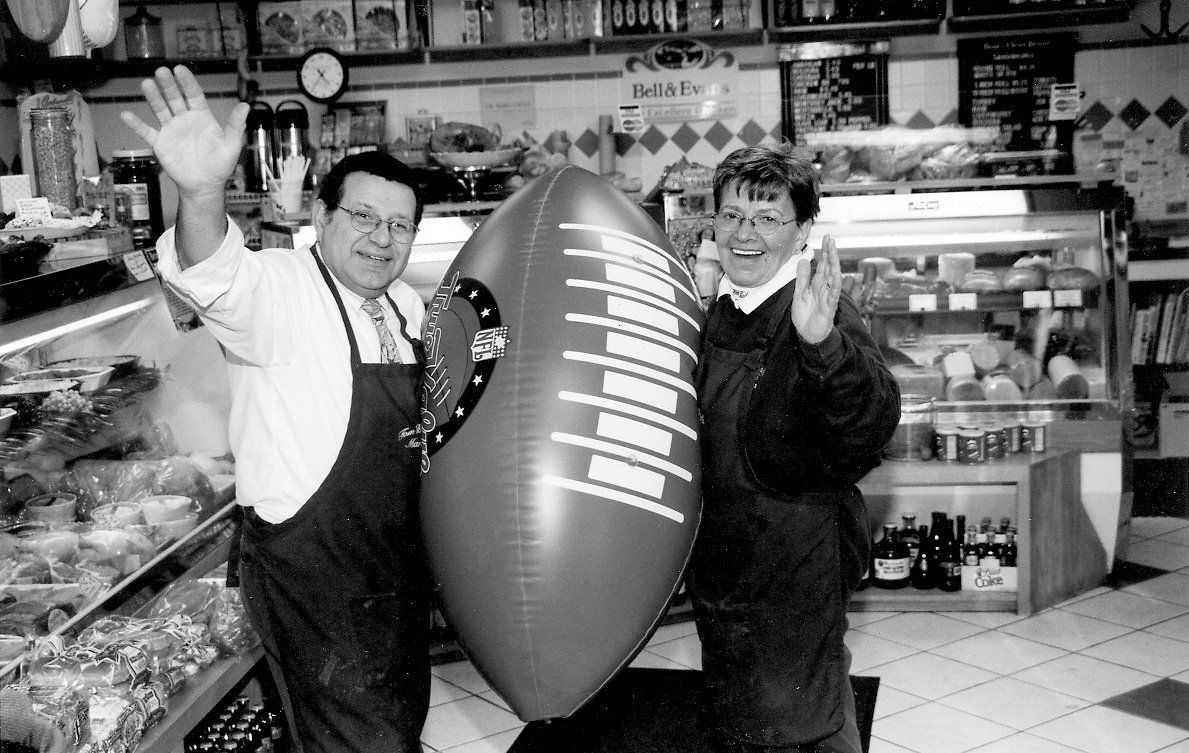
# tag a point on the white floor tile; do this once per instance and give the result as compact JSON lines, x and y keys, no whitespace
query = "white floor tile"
{"x":869,"y":651}
{"x":863,"y":618}
{"x":1084,"y":595}
{"x":934,"y":728}
{"x":985,"y":619}
{"x":1172,"y":587}
{"x":1177,"y":627}
{"x":1084,"y":677}
{"x":921,"y":630}
{"x":1149,"y":527}
{"x":1183,"y":677}
{"x":1024,"y":743}
{"x":999,"y":652}
{"x":672,"y":632}
{"x":463,"y":674}
{"x":883,"y":746}
{"x":499,"y":743}
{"x":1128,"y":609}
{"x":493,"y":697}
{"x":1159,"y":553}
{"x":685,"y":651}
{"x":1099,"y":729}
{"x":1179,"y":536}
{"x":891,"y":701}
{"x":648,"y":660}
{"x":1181,"y":747}
{"x":463,"y":721}
{"x":1145,"y":651}
{"x":1063,"y":629}
{"x":1017,"y":704}
{"x":930,"y":676}
{"x":441,"y":691}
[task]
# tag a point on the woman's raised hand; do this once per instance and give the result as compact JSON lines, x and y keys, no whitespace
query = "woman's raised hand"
{"x":816,"y":300}
{"x":195,"y":152}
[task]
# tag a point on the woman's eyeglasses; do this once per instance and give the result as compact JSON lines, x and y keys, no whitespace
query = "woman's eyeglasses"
{"x":729,"y":221}
{"x":402,"y":231}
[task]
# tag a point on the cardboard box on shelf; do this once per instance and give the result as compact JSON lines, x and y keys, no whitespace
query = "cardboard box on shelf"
{"x":381,"y":25}
{"x":280,"y":27}
{"x":990,"y":576}
{"x":1174,"y":417}
{"x":328,"y":23}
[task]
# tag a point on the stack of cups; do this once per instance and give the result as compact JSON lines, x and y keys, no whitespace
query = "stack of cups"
{"x":286,"y":194}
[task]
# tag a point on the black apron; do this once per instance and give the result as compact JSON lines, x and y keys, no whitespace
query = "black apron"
{"x":769,"y":596}
{"x":339,"y":591}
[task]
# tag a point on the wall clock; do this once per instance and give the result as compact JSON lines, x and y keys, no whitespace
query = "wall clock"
{"x":322,"y":75}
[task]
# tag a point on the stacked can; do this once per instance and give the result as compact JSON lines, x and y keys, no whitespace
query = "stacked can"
{"x":979,"y":443}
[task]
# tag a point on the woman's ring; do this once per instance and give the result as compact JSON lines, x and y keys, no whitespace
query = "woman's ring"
{"x":829,"y":286}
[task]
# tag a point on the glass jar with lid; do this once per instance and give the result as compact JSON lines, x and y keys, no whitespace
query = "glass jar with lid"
{"x":137,"y":187}
{"x":52,"y":139}
{"x":143,"y":37}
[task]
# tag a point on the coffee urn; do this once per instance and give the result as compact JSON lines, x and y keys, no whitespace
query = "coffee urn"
{"x":291,"y":133}
{"x":258,"y":157}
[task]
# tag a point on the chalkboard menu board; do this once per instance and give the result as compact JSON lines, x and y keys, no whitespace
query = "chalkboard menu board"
{"x":836,"y":93}
{"x":1004,"y":83}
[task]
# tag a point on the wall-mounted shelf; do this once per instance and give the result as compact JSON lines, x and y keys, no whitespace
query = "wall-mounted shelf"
{"x":1109,"y":13}
{"x":854,"y":30}
{"x":85,"y":73}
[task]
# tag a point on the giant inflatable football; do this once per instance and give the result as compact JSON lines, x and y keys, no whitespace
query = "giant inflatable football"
{"x":561,"y":494}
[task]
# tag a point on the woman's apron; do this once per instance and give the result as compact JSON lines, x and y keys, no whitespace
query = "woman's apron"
{"x":339,"y":591}
{"x":765,"y":577}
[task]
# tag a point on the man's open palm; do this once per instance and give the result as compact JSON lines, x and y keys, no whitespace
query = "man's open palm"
{"x":195,"y":152}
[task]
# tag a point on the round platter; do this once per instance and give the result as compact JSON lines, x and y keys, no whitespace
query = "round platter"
{"x":494,"y":158}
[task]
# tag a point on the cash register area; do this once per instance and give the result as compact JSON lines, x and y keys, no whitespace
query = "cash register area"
{"x":1105,"y":672}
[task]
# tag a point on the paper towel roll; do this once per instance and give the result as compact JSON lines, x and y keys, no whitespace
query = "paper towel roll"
{"x":69,"y":43}
{"x":606,"y":145}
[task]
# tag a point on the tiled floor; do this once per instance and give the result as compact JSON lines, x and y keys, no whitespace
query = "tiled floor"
{"x":1106,"y":672}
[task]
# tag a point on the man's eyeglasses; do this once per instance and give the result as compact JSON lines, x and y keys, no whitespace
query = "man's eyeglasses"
{"x":728,"y":222}
{"x":402,"y":231}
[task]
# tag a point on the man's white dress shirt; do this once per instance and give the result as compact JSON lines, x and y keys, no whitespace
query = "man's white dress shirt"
{"x":288,"y":360}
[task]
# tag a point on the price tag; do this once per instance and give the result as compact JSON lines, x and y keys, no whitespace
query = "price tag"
{"x":139,"y":266}
{"x":36,"y":208}
{"x":963,"y":301}
{"x":1067,"y":298}
{"x":922,"y":302}
{"x":631,"y":119}
{"x":1064,"y":101}
{"x":1038,"y":299}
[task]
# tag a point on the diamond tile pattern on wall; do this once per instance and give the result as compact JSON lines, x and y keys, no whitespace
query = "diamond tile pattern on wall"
{"x":920,"y":120}
{"x":685,"y":137}
{"x":751,"y":134}
{"x":1097,"y":116}
{"x":1134,"y":114}
{"x":1171,"y":112}
{"x":588,"y":143}
{"x":719,"y":135}
{"x":653,"y":140}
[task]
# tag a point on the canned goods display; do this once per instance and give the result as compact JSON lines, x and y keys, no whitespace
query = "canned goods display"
{"x":1012,"y":433}
{"x":995,"y":447}
{"x":1033,"y":437}
{"x":972,"y":445}
{"x":945,"y":443}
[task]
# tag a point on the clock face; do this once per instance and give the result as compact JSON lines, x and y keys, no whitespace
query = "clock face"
{"x":322,"y":76}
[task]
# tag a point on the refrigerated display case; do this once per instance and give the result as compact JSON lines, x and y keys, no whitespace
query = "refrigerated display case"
{"x":1003,"y":303}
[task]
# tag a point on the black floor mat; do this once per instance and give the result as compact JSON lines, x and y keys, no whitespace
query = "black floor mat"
{"x":650,"y":711}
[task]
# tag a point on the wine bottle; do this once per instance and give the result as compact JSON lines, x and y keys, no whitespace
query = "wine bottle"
{"x":909,"y":535}
{"x":922,"y":576}
{"x":950,"y":560}
{"x":890,"y":559}
{"x":1010,"y":549}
